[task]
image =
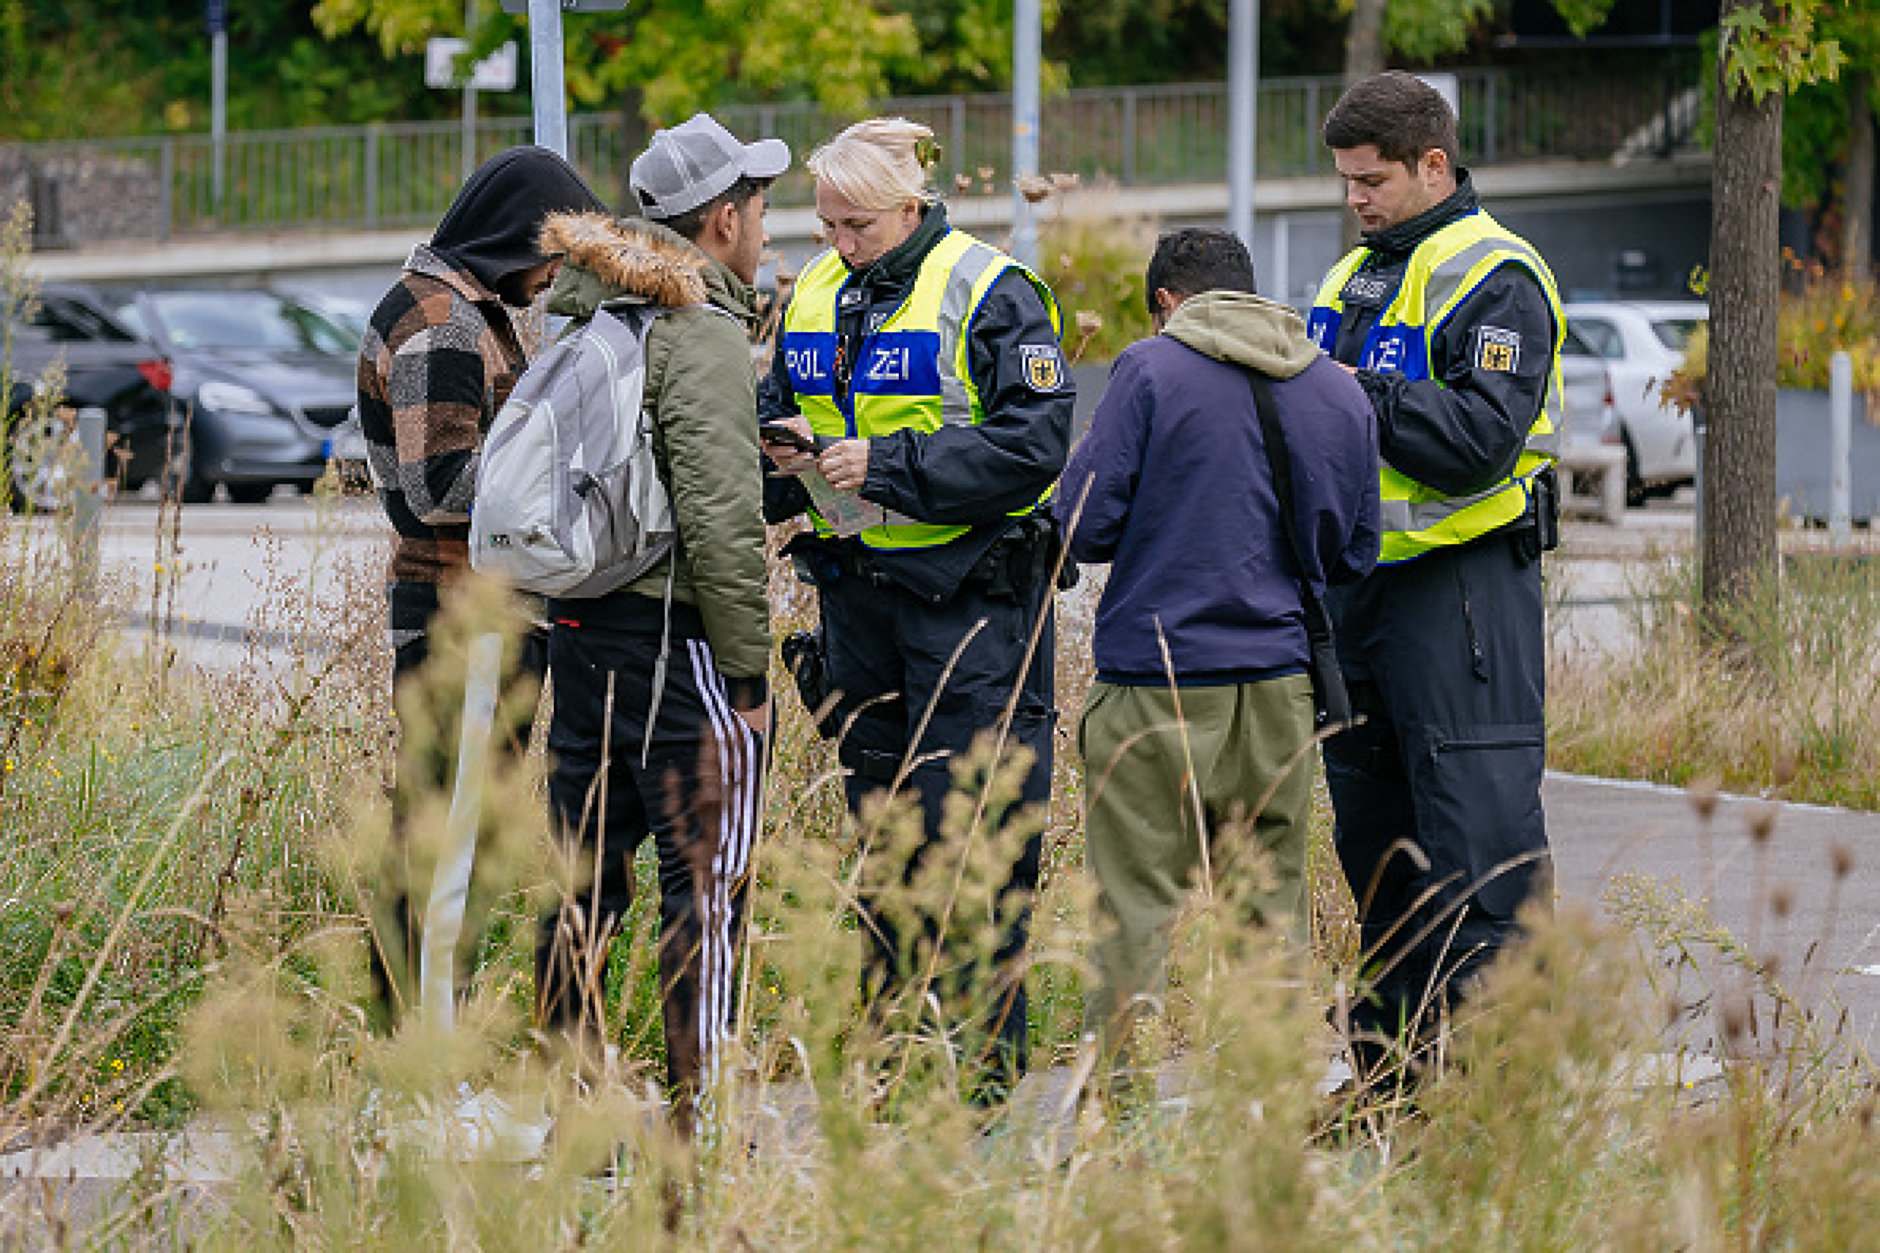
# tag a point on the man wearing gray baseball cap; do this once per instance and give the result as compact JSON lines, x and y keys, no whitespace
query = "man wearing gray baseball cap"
{"x":699,"y":160}
{"x":687,"y":646}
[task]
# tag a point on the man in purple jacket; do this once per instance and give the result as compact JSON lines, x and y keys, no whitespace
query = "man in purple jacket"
{"x":1202,"y":704}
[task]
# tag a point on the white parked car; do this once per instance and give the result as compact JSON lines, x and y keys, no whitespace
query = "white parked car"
{"x":1590,"y":415}
{"x":1640,"y":344}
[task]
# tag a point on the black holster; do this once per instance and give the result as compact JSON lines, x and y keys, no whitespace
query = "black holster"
{"x":1020,"y":560}
{"x":804,"y":658}
{"x":1539,"y":532}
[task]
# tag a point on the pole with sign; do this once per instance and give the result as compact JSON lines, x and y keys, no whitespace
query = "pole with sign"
{"x":496,"y":72}
{"x":547,"y":94}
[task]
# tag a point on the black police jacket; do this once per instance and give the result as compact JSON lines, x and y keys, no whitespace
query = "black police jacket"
{"x":1468,"y":433}
{"x":975,"y":476}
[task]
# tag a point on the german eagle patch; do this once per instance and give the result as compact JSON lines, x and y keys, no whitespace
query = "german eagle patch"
{"x":1497,"y":350}
{"x":1044,"y":368}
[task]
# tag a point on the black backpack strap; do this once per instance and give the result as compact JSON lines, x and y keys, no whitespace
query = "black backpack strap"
{"x":1328,"y":681}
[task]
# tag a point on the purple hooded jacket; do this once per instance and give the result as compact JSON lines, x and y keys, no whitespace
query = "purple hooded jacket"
{"x":1172,"y":487}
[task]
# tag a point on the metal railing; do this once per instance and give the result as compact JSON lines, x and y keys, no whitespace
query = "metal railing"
{"x":404,"y":174}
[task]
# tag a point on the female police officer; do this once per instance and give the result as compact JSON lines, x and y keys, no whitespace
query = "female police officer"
{"x":926,"y":365}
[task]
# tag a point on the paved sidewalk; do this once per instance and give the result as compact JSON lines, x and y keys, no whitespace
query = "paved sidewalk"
{"x":1807,"y":898}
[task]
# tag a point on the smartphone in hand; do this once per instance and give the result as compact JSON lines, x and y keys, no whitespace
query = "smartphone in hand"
{"x":789,"y":437}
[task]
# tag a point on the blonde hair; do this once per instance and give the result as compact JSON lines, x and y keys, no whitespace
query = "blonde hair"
{"x":878,"y":165}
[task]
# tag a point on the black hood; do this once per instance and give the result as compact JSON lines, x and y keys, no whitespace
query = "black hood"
{"x":490,"y":228}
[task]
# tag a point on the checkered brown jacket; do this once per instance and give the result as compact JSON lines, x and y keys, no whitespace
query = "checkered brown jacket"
{"x":439,"y":357}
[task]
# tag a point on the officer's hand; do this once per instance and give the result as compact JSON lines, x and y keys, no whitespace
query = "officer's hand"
{"x":845,"y":464}
{"x":787,"y":457}
{"x":757,"y":718}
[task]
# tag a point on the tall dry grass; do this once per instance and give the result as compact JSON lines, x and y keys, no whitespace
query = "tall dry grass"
{"x":214,"y":945}
{"x":1790,"y":711}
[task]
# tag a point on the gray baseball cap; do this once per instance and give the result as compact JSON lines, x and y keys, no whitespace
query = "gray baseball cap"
{"x":697,"y":160}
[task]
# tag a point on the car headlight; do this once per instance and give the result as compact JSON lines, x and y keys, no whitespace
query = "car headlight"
{"x":232,"y":398}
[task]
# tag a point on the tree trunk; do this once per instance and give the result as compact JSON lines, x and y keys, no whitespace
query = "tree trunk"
{"x":1740,"y":387}
{"x":1364,"y":56}
{"x":1364,"y":40}
{"x":1857,"y":209}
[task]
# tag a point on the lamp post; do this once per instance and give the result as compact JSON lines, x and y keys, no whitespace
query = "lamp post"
{"x":1243,"y":72}
{"x":215,"y":20}
{"x":1027,"y":42}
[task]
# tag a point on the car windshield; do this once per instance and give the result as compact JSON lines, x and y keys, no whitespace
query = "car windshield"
{"x":1675,"y":333}
{"x":259,"y":320}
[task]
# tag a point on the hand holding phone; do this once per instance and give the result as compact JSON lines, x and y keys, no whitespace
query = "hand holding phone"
{"x":789,"y":437}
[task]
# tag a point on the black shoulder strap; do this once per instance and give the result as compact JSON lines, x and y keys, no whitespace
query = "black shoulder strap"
{"x":1279,"y":461}
{"x":1328,"y":682}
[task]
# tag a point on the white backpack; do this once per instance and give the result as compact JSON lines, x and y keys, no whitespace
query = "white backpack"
{"x":568,"y":498}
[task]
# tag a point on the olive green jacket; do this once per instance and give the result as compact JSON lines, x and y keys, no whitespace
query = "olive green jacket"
{"x":701,"y":393}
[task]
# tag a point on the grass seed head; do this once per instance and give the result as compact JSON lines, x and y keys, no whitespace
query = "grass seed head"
{"x":1703,"y":794}
{"x":1736,"y":1018}
{"x":1781,"y":900}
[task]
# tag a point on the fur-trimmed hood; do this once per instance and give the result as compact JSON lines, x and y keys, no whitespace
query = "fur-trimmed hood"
{"x":607,"y":258}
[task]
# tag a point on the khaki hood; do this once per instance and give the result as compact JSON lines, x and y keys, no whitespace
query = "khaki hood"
{"x":1245,"y":330}
{"x":609,"y":258}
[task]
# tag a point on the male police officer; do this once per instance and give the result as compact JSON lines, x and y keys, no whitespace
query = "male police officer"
{"x":1452,"y":325}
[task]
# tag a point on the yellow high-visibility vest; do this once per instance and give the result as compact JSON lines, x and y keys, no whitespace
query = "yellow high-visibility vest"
{"x":1445,"y":270}
{"x":910,"y":373}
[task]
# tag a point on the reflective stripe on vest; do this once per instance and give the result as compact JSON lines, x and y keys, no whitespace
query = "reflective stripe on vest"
{"x":1444,"y":271}
{"x":912,"y":372}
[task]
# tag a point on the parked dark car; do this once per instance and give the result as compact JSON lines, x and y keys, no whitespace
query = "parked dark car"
{"x":266,"y":382}
{"x":105,"y":366}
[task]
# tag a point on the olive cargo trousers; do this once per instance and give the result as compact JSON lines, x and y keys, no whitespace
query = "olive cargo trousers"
{"x":1142,"y":746}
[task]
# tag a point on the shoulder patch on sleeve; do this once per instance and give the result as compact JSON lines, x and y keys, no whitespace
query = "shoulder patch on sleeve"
{"x":1043,"y":366}
{"x":1497,"y":350}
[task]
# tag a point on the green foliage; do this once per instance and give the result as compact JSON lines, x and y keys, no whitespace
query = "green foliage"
{"x":1814,"y":139}
{"x":1421,"y":29}
{"x":1774,"y":48}
{"x":1142,"y":41}
{"x":58,"y":76}
{"x":1815,"y":119}
{"x":966,"y":45}
{"x":131,"y":67}
{"x":682,"y":55}
{"x":1582,"y":16}
{"x":1093,"y":263}
{"x":400,"y":26}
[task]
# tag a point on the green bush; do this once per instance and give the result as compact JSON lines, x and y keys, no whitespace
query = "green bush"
{"x":1093,"y":264}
